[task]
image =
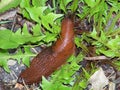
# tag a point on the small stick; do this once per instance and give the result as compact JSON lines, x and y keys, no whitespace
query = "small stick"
{"x":97,"y":58}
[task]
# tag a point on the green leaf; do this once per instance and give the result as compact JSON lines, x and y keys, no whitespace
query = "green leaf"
{"x":8,"y":4}
{"x":5,"y":56}
{"x":77,"y":41}
{"x":26,"y":61}
{"x":37,"y":30}
{"x":49,"y":37}
{"x":38,"y":3}
{"x":56,"y":29}
{"x":103,"y":37}
{"x":13,"y":40}
{"x":108,"y":53}
{"x":63,"y":4}
{"x":25,"y":57}
{"x":5,"y":39}
{"x":87,"y":75}
{"x":34,"y":14}
{"x":62,"y":76}
{"x":49,"y":20}
{"x":84,"y":13}
{"x":94,"y":34}
{"x":66,"y":72}
{"x":117,"y":63}
{"x":46,"y":85}
{"x":63,"y":87}
{"x":25,"y":3}
{"x":26,"y":14}
{"x":114,"y":44}
{"x":3,"y":60}
{"x":83,"y":84}
{"x":74,"y":5}
{"x":92,"y":3}
{"x":115,"y":4}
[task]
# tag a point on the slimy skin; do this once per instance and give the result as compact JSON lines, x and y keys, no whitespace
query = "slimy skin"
{"x":51,"y":58}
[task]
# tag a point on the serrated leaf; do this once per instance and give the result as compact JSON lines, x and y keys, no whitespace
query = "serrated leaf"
{"x":5,"y":39}
{"x":115,"y":4}
{"x":27,"y":55}
{"x":3,"y":61}
{"x":66,"y":72}
{"x":26,"y":61}
{"x":71,"y":58}
{"x":94,"y":33}
{"x":103,"y":37}
{"x":5,"y":56}
{"x":87,"y":75}
{"x":117,"y":63}
{"x":85,"y":9}
{"x":74,"y":5}
{"x":63,"y":75}
{"x":114,"y":44}
{"x":13,"y":40}
{"x":25,"y":14}
{"x":36,"y":12}
{"x":92,"y":3}
{"x":24,"y":56}
{"x":64,"y":87}
{"x":5,"y":66}
{"x":49,"y":37}
{"x":46,"y":85}
{"x":83,"y":84}
{"x":108,"y":53}
{"x":63,"y":4}
{"x":49,"y":19}
{"x":36,"y":29}
{"x":56,"y":29}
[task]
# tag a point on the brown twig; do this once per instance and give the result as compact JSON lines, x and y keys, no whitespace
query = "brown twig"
{"x":97,"y":58}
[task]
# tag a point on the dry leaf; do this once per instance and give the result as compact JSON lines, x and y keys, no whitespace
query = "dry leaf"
{"x":98,"y":80}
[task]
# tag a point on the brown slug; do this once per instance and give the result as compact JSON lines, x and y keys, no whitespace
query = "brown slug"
{"x":51,"y":58}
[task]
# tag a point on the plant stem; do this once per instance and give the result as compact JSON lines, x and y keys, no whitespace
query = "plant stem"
{"x":109,"y":15}
{"x":113,"y":23}
{"x":98,"y":27}
{"x":53,"y":2}
{"x":115,"y":32}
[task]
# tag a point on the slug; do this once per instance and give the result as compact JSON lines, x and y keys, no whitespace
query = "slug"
{"x":51,"y":58}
